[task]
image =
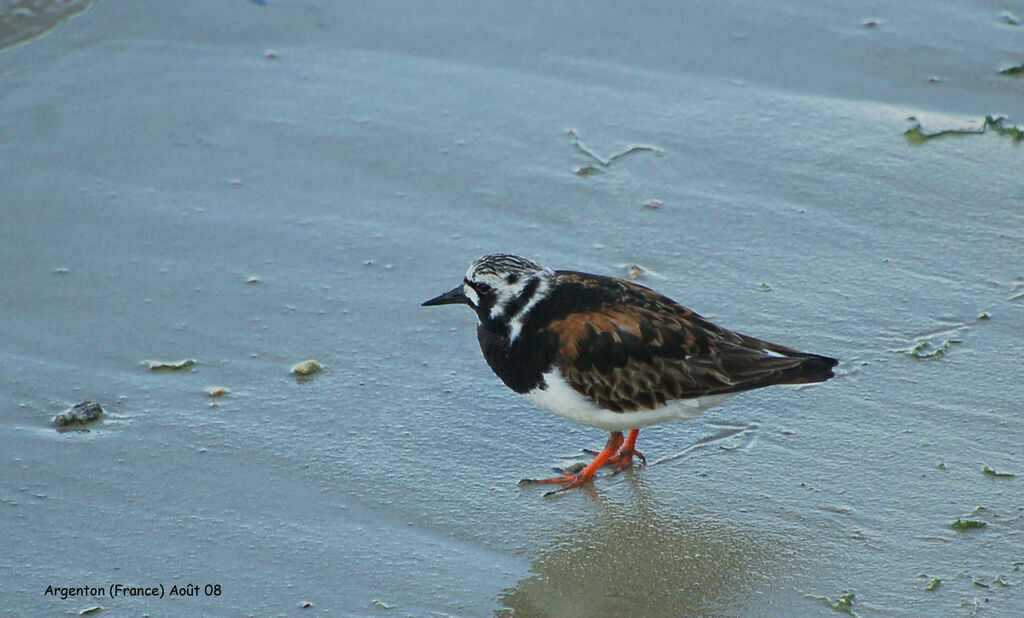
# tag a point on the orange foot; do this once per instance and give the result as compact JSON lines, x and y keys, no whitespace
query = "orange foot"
{"x":624,"y":458}
{"x":610,"y":455}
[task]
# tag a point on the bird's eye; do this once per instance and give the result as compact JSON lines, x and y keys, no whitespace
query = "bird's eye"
{"x":511,"y":278}
{"x":479,"y":286}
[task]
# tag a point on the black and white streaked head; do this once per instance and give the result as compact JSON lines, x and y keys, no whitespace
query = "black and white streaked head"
{"x":502,"y":289}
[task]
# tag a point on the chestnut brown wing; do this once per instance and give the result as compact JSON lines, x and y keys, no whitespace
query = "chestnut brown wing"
{"x":637,"y":349}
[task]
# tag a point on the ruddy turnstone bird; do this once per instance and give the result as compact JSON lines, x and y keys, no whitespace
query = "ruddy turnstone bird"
{"x":612,"y":354}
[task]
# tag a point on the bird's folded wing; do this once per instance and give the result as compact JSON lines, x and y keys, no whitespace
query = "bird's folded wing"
{"x":642,"y":357}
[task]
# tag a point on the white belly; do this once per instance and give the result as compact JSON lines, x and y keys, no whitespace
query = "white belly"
{"x":561,"y":399}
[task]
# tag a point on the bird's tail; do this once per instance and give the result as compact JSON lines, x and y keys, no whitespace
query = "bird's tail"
{"x":813,"y":368}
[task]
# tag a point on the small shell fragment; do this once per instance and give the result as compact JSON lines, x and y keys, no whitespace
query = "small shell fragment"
{"x":216,"y":391}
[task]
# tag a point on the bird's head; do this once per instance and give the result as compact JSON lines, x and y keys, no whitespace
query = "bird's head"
{"x":502,"y":289}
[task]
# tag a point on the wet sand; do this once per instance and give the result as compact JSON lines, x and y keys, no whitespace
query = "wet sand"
{"x":251,"y":185}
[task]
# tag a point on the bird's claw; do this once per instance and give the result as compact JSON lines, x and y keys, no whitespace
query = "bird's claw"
{"x":621,"y":460}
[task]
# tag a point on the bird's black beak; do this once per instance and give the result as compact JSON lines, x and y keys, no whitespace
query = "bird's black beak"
{"x":451,"y":297}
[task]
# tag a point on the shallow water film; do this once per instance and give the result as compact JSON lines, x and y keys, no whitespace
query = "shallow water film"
{"x":218,"y":221}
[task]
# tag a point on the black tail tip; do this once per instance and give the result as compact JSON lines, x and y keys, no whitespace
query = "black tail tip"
{"x":819,"y":368}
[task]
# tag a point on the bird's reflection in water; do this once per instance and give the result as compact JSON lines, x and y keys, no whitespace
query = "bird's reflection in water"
{"x":639,"y":558}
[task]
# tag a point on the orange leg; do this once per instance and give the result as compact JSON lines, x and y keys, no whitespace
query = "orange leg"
{"x":624,"y":458}
{"x":586,"y":474}
{"x":626,"y":453}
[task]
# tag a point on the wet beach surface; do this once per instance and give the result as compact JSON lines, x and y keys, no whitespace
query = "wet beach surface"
{"x":253,"y":184}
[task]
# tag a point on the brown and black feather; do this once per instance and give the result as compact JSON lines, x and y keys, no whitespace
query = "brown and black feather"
{"x":627,"y":348}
